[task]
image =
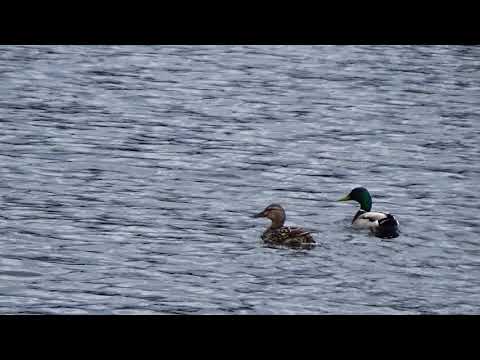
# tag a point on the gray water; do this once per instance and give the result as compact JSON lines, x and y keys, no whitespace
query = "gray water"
{"x":129,"y":175}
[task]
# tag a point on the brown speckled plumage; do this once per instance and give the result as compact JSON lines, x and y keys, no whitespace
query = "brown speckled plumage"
{"x":289,"y":236}
{"x":278,"y":234}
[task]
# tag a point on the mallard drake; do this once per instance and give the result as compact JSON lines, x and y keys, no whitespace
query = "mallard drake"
{"x":383,"y":225}
{"x":278,"y":234}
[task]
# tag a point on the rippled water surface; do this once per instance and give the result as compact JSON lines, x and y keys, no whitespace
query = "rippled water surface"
{"x":129,"y":175}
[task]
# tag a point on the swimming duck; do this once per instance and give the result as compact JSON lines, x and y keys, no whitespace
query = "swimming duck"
{"x":278,"y":234}
{"x":380,"y":224}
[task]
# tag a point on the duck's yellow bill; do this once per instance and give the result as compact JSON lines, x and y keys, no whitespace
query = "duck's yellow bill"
{"x":345,"y":198}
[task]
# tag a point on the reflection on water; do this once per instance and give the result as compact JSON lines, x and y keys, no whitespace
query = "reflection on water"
{"x":130,"y":174}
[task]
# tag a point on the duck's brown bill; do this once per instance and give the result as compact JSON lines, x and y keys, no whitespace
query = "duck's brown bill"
{"x":260,"y":214}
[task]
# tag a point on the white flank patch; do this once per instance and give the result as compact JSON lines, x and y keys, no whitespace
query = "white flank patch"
{"x":368,"y":220}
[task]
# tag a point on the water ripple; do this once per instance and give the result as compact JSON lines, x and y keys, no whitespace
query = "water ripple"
{"x":129,"y":175}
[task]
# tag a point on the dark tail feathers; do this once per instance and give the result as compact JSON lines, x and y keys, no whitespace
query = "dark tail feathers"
{"x":388,"y":227}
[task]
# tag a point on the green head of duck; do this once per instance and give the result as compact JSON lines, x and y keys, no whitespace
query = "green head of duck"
{"x":360,"y":195}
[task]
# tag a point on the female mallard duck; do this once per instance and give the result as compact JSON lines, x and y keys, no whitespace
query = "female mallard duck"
{"x":380,"y":224}
{"x":277,"y":234}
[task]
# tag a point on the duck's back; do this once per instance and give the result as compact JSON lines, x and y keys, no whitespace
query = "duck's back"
{"x":289,"y":236}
